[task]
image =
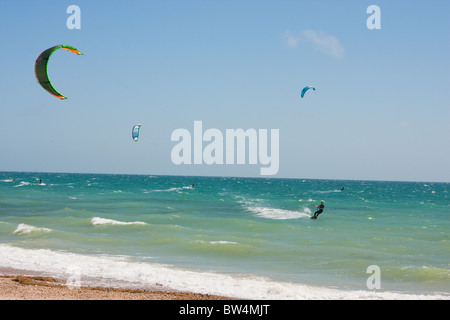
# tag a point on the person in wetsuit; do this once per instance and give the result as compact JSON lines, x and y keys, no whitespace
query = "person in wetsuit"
{"x":320,"y":207}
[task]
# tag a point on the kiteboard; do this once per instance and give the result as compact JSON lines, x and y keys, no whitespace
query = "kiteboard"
{"x":313,"y":217}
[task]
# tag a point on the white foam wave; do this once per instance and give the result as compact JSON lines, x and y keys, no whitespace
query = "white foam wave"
{"x":27,"y":229}
{"x":309,"y":200}
{"x":279,"y":214}
{"x":22,"y":183}
{"x":178,"y":189}
{"x":328,"y":191}
{"x":107,"y":270}
{"x":223,"y":242}
{"x":216,"y":242}
{"x":97,"y":221}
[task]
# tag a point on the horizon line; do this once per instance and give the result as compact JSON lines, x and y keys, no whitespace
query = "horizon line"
{"x":221,"y":176}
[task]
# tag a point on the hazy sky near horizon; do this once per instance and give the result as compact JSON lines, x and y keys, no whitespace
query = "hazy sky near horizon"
{"x":381,"y":108}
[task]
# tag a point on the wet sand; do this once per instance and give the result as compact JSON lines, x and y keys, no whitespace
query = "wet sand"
{"x":19,"y":287}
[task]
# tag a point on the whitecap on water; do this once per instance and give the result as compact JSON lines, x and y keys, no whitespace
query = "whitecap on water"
{"x":22,"y":183}
{"x":26,"y":229}
{"x":97,"y":221}
{"x":279,"y":214}
{"x":222,"y":242}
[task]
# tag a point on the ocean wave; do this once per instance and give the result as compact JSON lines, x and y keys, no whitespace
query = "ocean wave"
{"x":222,"y":242}
{"x":27,"y":229}
{"x":424,"y":273}
{"x":22,"y":183}
{"x":122,"y":271}
{"x":279,"y":214}
{"x":97,"y":221}
{"x":217,"y":242}
{"x":257,"y":206}
{"x":328,"y":191}
{"x":178,"y":189}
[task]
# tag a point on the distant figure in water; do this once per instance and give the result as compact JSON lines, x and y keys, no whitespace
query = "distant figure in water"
{"x":320,"y":207}
{"x":192,"y":186}
{"x":40,"y":181}
{"x":342,"y":189}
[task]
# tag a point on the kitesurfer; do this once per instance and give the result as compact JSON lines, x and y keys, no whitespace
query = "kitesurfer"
{"x":320,"y":207}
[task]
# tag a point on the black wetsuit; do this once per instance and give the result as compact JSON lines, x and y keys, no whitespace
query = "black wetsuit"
{"x":316,"y":214}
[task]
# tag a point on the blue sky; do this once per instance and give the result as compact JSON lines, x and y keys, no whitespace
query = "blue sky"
{"x":381,"y":110}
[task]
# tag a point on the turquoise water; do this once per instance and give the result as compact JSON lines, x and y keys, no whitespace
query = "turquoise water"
{"x":225,"y":232}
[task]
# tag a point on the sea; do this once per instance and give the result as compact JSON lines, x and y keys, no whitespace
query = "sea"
{"x":249,"y":238}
